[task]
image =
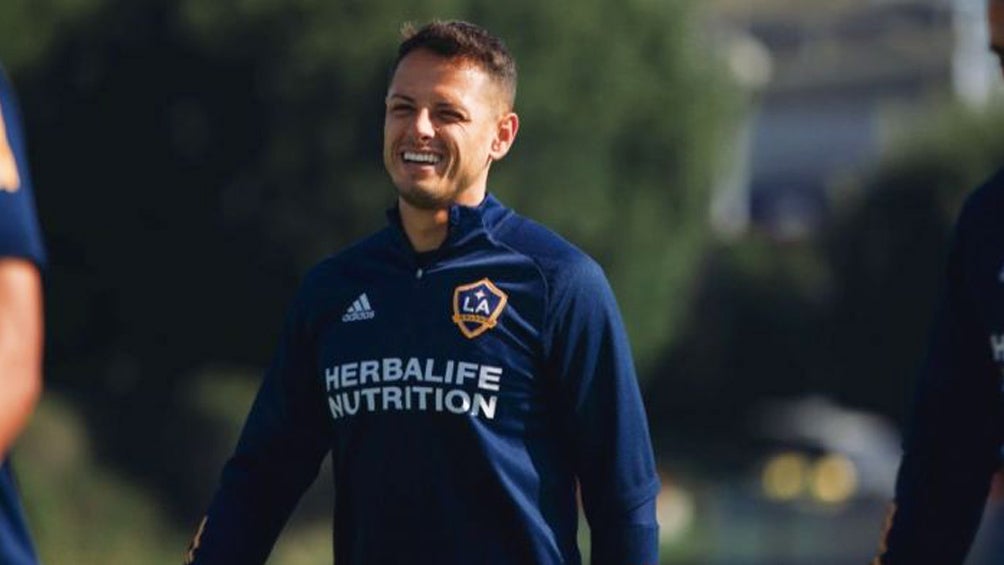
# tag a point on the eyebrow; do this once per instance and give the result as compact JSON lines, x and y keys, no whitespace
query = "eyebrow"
{"x":439,"y":105}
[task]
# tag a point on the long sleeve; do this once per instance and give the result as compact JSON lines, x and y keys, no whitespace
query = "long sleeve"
{"x":20,"y":234}
{"x":605,"y":418}
{"x":277,"y":457}
{"x":952,"y":445}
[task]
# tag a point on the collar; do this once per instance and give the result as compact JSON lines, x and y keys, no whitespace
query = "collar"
{"x":465,"y":224}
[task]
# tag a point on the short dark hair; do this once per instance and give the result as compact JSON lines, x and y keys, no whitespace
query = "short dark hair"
{"x":467,"y":42}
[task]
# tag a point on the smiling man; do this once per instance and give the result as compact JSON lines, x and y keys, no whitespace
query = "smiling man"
{"x":466,"y":368}
{"x":953,"y":442}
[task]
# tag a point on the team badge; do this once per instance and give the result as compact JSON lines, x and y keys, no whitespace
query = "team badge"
{"x":10,"y":181}
{"x":477,"y":307}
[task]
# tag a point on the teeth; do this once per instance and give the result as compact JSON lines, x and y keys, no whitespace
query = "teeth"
{"x":413,"y":157}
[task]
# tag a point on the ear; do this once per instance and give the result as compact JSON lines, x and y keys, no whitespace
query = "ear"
{"x":505,"y":135}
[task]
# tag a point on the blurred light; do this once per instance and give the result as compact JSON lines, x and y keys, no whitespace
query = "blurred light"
{"x":750,"y":61}
{"x":834,"y":479}
{"x":675,"y":512}
{"x":784,"y":476}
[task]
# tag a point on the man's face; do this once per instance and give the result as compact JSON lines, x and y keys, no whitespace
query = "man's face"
{"x":995,"y":19}
{"x":444,"y":125}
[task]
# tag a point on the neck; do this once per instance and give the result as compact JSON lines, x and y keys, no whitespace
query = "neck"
{"x":426,"y":229}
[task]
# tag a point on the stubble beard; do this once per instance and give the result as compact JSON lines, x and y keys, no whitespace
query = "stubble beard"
{"x":424,"y":200}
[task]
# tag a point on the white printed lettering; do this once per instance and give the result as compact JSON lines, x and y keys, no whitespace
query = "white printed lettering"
{"x":331,"y":377}
{"x":997,"y":343}
{"x":483,"y":404}
{"x":335,"y":404}
{"x":369,"y":371}
{"x":453,"y":397}
{"x":413,"y":370}
{"x":423,"y":392}
{"x":488,"y":378}
{"x":431,"y":376}
{"x":356,"y":386}
{"x":349,"y":408}
{"x":466,"y":370}
{"x":370,"y":394}
{"x":349,"y":374}
{"x":391,"y":396}
{"x":391,"y":369}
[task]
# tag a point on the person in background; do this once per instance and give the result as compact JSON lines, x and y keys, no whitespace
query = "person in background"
{"x":953,"y":442}
{"x":21,"y":257}
{"x":465,"y":367}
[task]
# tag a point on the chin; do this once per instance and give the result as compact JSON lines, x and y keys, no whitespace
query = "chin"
{"x":425,"y":200}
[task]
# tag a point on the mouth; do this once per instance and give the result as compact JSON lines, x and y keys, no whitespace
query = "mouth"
{"x":420,"y":157}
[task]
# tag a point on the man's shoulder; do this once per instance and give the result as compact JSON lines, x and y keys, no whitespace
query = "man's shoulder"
{"x":540,"y":244}
{"x":563,"y":265}
{"x":985,"y":205}
{"x":992,"y":188}
{"x":353,"y":257}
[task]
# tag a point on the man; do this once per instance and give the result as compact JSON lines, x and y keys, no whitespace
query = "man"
{"x":20,"y":319}
{"x":465,"y":366}
{"x":953,"y":443}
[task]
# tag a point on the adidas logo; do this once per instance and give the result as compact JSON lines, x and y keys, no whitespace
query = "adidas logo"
{"x":360,"y":310}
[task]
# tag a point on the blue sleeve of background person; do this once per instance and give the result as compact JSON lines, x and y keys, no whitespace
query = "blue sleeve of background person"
{"x":277,"y":457}
{"x":20,"y":235}
{"x":605,"y":417}
{"x":952,"y":445}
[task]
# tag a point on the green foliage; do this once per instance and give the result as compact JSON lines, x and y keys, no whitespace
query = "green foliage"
{"x":28,"y":28}
{"x":621,"y":125}
{"x":845,"y":313}
{"x":887,"y":248}
{"x":948,"y":155}
{"x":80,"y":511}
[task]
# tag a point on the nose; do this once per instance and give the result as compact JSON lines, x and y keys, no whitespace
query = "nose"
{"x":422,"y":127}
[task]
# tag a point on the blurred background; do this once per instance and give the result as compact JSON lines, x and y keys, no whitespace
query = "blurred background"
{"x":770,"y":186}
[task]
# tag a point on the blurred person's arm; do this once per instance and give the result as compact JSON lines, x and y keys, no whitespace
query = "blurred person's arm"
{"x":953,"y":440}
{"x":21,"y":257}
{"x":604,"y":419}
{"x":285,"y":438}
{"x":20,"y":346}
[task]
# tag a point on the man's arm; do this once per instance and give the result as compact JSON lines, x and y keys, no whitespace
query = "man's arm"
{"x":953,"y":438}
{"x":277,"y":457}
{"x":20,"y":346}
{"x":605,"y":419}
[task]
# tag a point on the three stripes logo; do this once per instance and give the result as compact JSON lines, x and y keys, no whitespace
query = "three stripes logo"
{"x":360,"y":310}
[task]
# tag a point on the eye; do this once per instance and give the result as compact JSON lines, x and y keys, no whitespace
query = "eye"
{"x":399,"y":109}
{"x":451,"y":116}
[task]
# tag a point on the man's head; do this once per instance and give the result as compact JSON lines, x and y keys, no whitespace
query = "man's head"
{"x":466,"y":42}
{"x":995,"y":21}
{"x":449,"y":113}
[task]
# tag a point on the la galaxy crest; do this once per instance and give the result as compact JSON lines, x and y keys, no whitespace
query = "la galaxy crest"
{"x":477,"y":307}
{"x":10,"y":181}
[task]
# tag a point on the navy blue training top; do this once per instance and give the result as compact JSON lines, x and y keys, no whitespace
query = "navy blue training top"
{"x":462,"y":393}
{"x":953,"y":441}
{"x":19,"y":237}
